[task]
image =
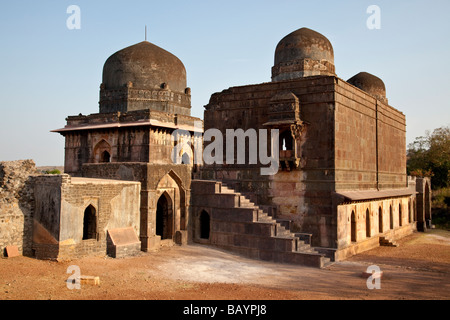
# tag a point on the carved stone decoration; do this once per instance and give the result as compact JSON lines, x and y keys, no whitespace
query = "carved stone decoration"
{"x":284,"y":106}
{"x":297,"y":130}
{"x":284,"y":114}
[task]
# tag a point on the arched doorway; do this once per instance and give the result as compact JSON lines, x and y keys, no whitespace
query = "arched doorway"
{"x":90,"y":223}
{"x":367,"y":223}
{"x":427,"y":201}
{"x":410,"y":212}
{"x":391,"y":218}
{"x":414,"y":210}
{"x":105,"y":157}
{"x":380,"y":220}
{"x":164,"y":217}
{"x":353,"y":227}
{"x":204,"y":225}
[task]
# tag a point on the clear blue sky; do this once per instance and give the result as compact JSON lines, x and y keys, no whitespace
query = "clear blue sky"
{"x":48,"y":72}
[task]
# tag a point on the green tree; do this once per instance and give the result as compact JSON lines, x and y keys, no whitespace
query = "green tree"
{"x":429,"y":155}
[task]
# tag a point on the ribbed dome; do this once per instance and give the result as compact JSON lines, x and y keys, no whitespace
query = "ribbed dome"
{"x":301,"y":53}
{"x":370,"y":84}
{"x":147,"y":66}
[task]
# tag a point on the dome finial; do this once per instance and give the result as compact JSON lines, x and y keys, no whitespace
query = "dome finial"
{"x":145,"y":32}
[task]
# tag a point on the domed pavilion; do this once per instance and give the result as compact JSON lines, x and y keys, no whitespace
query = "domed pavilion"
{"x":145,"y":110}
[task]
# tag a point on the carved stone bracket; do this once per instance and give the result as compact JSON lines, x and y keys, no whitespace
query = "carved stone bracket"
{"x":297,"y":130}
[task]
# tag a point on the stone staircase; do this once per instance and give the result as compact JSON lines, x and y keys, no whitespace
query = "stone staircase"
{"x":241,"y":226}
{"x":386,"y":241}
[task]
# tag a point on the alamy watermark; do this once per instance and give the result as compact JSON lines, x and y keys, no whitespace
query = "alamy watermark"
{"x":74,"y":280}
{"x":374,"y":20}
{"x":260,"y":147}
{"x":73,"y":22}
{"x":374,"y":281}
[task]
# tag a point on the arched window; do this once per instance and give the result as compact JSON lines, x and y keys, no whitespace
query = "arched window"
{"x":90,"y":223}
{"x":102,"y":152}
{"x":353,"y":227}
{"x":286,"y":141}
{"x":204,"y":225}
{"x":391,"y":218}
{"x":367,"y":224}
{"x":380,"y":220}
{"x":400,"y":217}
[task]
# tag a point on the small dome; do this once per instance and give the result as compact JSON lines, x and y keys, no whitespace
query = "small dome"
{"x":146,"y":66}
{"x":370,"y":84}
{"x":301,"y":53}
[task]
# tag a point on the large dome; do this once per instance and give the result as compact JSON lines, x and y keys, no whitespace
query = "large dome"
{"x":146,"y":66}
{"x":370,"y":84}
{"x":301,"y":53}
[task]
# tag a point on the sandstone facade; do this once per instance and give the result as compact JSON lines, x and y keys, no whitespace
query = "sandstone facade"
{"x":131,"y":183}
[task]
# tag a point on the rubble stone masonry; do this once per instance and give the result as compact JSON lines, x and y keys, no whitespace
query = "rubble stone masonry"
{"x":16,"y":204}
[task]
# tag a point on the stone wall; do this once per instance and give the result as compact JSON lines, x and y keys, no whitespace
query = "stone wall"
{"x":16,"y":204}
{"x":344,"y":140}
{"x":300,"y":194}
{"x":136,"y":136}
{"x":173,"y":181}
{"x":370,"y":141}
{"x":62,"y":205}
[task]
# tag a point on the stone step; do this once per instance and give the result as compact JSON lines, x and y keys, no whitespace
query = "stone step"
{"x":242,"y":226}
{"x":303,"y":247}
{"x":284,"y":222}
{"x":387,"y":242}
{"x":326,"y":262}
{"x":226,"y":190}
{"x":280,"y":230}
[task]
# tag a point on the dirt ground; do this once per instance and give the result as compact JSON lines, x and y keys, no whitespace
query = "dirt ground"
{"x":418,"y":269}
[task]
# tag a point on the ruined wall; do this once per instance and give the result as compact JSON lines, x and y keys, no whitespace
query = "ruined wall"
{"x":63,"y":202}
{"x":16,"y":204}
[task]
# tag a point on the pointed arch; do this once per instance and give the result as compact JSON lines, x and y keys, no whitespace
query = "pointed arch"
{"x":368,"y":231}
{"x":380,"y":220}
{"x":90,"y":223}
{"x":164,"y":217}
{"x":353,"y":226}
{"x":427,"y":201}
{"x":391,"y":217}
{"x":180,"y":205}
{"x":286,"y":140}
{"x":102,"y":152}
